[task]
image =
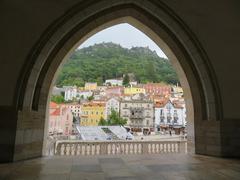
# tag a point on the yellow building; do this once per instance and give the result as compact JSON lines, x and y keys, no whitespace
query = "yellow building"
{"x":133,"y":90}
{"x":91,"y":113}
{"x":90,"y":86}
{"x":177,"y":91}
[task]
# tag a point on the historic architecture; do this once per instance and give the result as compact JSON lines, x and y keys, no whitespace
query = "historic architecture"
{"x":200,"y":38}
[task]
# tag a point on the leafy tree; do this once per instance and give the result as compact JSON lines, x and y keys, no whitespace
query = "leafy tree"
{"x":57,"y":99}
{"x":108,"y":60}
{"x":150,"y":70}
{"x":115,"y":119}
{"x":90,"y":98}
{"x":102,"y":122}
{"x":126,"y":80}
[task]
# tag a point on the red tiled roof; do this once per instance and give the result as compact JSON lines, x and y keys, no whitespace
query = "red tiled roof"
{"x":53,"y":105}
{"x":161,"y":103}
{"x":56,"y":112}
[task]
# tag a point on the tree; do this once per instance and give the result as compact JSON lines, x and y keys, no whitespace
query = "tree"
{"x":115,"y":119}
{"x":102,"y":122}
{"x":126,"y":80}
{"x":99,"y":81}
{"x":150,"y":72}
{"x":57,"y":99}
{"x":90,"y":98}
{"x":108,"y":60}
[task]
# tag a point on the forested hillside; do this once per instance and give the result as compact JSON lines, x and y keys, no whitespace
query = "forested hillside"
{"x":108,"y":60}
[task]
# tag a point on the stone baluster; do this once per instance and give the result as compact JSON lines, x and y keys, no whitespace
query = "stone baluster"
{"x":58,"y":149}
{"x":118,"y":147}
{"x":144,"y":148}
{"x":103,"y":148}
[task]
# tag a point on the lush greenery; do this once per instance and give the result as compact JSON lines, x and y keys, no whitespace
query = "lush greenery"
{"x":57,"y":99}
{"x":108,"y":60}
{"x":113,"y":119}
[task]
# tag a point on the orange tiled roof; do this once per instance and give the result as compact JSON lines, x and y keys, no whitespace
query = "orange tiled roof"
{"x":56,"y":112}
{"x":53,"y":105}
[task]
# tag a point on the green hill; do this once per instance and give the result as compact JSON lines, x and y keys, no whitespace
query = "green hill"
{"x":108,"y":60}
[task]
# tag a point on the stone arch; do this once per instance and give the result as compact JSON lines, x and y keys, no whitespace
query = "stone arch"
{"x":153,"y":18}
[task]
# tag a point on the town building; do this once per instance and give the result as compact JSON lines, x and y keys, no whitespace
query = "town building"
{"x":170,"y":115}
{"x":112,"y":104}
{"x":158,"y":89}
{"x":133,"y":90}
{"x":89,"y":86}
{"x":60,"y":119}
{"x":114,"y":82}
{"x":70,"y":93}
{"x":177,"y":91}
{"x":75,"y":109}
{"x":114,"y":91}
{"x":139,"y":113}
{"x":84,"y":94}
{"x":91,"y":113}
{"x":133,"y":83}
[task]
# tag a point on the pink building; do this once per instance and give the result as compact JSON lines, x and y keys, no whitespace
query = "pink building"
{"x":60,"y":119}
{"x":116,"y":91}
{"x":158,"y":89}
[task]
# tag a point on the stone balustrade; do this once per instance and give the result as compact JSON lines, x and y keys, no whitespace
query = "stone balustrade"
{"x":86,"y":148}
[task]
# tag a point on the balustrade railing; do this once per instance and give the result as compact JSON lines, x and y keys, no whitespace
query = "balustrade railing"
{"x":86,"y":148}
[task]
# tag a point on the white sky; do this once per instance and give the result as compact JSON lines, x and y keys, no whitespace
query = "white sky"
{"x":125,"y":35}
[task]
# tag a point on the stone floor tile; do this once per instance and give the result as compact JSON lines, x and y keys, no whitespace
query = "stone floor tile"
{"x":86,"y":176}
{"x":87,"y":168}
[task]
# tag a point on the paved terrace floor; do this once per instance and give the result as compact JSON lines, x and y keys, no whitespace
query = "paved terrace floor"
{"x":129,"y":167}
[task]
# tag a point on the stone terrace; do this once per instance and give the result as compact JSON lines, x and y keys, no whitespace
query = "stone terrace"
{"x":128,"y":167}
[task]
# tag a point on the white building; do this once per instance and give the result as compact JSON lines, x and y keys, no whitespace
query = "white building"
{"x":84,"y":94}
{"x":114,"y":82}
{"x":133,"y":83}
{"x":139,"y":113}
{"x":75,"y":109}
{"x":112,"y":104}
{"x":70,"y":93}
{"x":169,"y":113}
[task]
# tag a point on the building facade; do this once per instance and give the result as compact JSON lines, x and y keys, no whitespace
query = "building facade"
{"x":133,"y":90}
{"x":158,"y":89}
{"x":91,"y":113}
{"x":112,"y":104}
{"x":114,"y":82}
{"x":170,"y":115}
{"x":89,"y":86}
{"x":75,"y":109}
{"x":60,"y":120}
{"x":139,"y":114}
{"x":70,"y":93}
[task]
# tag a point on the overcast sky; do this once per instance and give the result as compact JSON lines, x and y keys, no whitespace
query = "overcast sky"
{"x":125,"y":35}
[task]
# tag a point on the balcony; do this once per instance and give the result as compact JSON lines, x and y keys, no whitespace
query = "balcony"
{"x":136,"y":117}
{"x":91,"y":148}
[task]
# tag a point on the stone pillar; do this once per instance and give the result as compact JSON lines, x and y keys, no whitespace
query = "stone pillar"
{"x":8,"y":125}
